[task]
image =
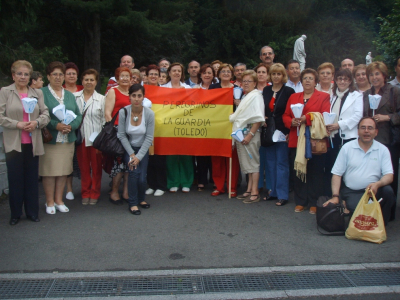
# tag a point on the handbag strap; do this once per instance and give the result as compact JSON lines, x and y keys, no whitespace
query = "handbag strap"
{"x":83,"y":116}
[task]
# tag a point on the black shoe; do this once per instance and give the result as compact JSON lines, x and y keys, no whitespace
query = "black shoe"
{"x":125,"y":199}
{"x":33,"y":219}
{"x":135,"y":212}
{"x":146,"y":205}
{"x":14,"y":221}
{"x":116,"y":202}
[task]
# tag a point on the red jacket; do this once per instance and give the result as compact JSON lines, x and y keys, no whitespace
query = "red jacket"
{"x":319,"y":102}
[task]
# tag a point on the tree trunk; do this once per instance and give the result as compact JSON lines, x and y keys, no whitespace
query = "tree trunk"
{"x":92,"y":44}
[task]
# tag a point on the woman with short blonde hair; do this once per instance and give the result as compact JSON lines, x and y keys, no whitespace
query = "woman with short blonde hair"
{"x":326,"y":72}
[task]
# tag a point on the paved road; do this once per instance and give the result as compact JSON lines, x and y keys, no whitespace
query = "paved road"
{"x":179,"y":231}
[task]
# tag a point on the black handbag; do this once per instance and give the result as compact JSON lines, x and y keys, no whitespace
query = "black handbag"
{"x":78,"y":133}
{"x":107,"y":140}
{"x":268,"y":132}
{"x":330,"y":218}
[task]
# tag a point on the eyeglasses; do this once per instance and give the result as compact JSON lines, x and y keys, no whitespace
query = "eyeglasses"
{"x":267,"y":54}
{"x":57,"y":74}
{"x":369,"y":128}
{"x":226,"y":72}
{"x":20,"y":74}
{"x":309,"y":78}
{"x":124,"y":77}
{"x":71,"y":74}
{"x":344,"y":79}
{"x":247,"y":81}
{"x":153,"y":74}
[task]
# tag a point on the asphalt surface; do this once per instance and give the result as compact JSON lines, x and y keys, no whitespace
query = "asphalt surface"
{"x":179,"y":231}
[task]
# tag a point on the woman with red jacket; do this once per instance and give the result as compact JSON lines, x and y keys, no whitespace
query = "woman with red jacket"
{"x":307,"y":192}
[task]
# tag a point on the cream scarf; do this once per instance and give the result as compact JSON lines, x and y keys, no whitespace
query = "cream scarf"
{"x":318,"y":131}
{"x":250,"y":110}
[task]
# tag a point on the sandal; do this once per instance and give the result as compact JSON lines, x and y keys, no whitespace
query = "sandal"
{"x":200,"y":188}
{"x":249,"y":200}
{"x":281,"y":202}
{"x":244,"y":196}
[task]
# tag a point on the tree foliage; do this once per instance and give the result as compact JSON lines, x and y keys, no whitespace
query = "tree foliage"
{"x":389,"y":35}
{"x":96,"y":33}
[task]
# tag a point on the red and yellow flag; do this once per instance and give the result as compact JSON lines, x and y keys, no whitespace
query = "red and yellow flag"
{"x":191,"y":121}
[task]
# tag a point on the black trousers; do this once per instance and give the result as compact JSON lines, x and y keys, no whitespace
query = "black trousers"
{"x":394,"y":153}
{"x":203,"y":168}
{"x":352,"y":197}
{"x":22,"y":171}
{"x":157,"y":172}
{"x":307,"y":193}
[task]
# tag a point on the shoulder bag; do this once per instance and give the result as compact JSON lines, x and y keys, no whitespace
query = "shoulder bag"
{"x":46,"y":135}
{"x":330,"y":218}
{"x":107,"y":140}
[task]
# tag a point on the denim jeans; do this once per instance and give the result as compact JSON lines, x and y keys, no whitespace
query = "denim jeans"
{"x":277,"y":157}
{"x":264,"y":173}
{"x":137,"y":182}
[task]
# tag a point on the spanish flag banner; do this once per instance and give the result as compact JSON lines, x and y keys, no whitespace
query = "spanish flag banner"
{"x":191,"y":121}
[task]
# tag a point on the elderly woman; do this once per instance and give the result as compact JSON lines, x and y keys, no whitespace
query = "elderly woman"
{"x":71,"y":77}
{"x":116,"y":99}
{"x":91,"y":105}
{"x":387,"y":115}
{"x":157,"y":168}
{"x":205,"y":78}
{"x":360,"y":76}
{"x":36,"y":80}
{"x":179,"y":167}
{"x":56,"y":164}
{"x":277,"y":155}
{"x":249,"y":116}
{"x":22,"y":141}
{"x":347,"y":104}
{"x":326,"y":71}
{"x":308,"y":182}
{"x":136,"y":131}
{"x":163,"y":76}
{"x":220,"y":164}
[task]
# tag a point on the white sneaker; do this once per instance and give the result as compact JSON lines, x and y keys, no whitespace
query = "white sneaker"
{"x":70,"y":196}
{"x":173,"y":189}
{"x":149,"y":191}
{"x":185,"y":190}
{"x":159,"y":193}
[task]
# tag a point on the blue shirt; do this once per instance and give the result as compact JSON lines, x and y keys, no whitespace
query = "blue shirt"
{"x":360,"y":168}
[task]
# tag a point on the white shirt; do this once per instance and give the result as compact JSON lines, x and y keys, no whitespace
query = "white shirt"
{"x":136,"y":134}
{"x":94,"y":118}
{"x":395,"y":82}
{"x":298,"y":88}
{"x":169,"y":85}
{"x":358,"y":168}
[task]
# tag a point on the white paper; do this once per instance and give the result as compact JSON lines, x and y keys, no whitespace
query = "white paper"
{"x":329,"y":118}
{"x":29,"y":104}
{"x":237,"y":93}
{"x":238,"y":135}
{"x":59,"y":112}
{"x":297,"y":109}
{"x":374,"y":101}
{"x":93,"y":136}
{"x":69,"y":117}
{"x":278,"y":136}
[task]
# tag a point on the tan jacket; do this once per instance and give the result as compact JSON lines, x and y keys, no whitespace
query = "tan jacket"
{"x":11,"y":112}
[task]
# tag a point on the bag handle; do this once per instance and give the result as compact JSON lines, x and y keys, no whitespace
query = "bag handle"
{"x":337,"y":233}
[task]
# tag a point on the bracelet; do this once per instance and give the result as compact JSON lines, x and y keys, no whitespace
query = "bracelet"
{"x":251,"y":133}
{"x":335,"y":195}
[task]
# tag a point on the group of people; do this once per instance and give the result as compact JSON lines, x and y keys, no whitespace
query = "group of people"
{"x":269,"y":92}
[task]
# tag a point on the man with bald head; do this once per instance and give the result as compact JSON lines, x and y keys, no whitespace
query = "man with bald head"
{"x":347,"y":64}
{"x":267,"y":55}
{"x":126,"y":61}
{"x":193,"y":70}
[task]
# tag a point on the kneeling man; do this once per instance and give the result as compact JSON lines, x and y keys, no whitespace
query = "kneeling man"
{"x":364,"y":164}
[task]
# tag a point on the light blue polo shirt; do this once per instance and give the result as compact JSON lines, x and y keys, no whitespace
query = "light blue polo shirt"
{"x":358,"y":168}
